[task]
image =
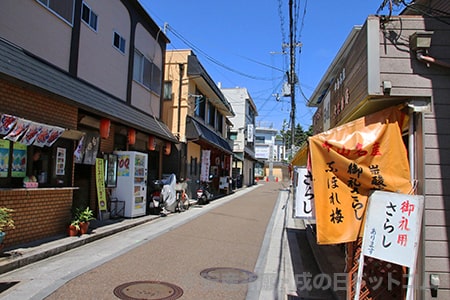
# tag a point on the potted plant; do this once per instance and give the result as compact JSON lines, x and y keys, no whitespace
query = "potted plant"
{"x":84,"y":217}
{"x":74,"y":227}
{"x":6,"y":221}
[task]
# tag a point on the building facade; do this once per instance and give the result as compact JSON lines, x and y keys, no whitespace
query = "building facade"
{"x":242,"y":133}
{"x":383,"y":64}
{"x":197,"y":112}
{"x":78,"y":80}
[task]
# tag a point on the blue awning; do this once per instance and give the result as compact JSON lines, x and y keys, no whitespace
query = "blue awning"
{"x":196,"y":130}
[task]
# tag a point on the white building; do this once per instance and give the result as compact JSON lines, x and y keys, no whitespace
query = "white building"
{"x":242,"y":134}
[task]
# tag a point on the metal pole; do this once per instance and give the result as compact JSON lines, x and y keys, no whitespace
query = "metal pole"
{"x":292,"y":74}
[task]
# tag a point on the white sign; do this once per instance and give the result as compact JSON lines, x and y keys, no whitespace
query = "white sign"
{"x":206,"y":163}
{"x":303,"y":194}
{"x":392,"y":227}
{"x":250,"y":133}
{"x":392,"y":231}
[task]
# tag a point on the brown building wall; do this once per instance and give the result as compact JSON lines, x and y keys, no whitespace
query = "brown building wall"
{"x":38,"y":213}
{"x":28,"y":104}
{"x":43,"y":212}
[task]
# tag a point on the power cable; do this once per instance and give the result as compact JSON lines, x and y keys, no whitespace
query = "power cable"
{"x":213,"y":60}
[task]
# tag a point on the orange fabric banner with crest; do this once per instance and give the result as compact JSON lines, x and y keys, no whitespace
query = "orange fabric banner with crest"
{"x":348,"y":162}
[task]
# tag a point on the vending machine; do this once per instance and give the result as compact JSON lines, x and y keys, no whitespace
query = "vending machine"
{"x":132,"y":182}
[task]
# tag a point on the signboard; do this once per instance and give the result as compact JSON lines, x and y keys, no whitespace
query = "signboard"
{"x":206,"y":163}
{"x":392,"y":227}
{"x":100,"y":178}
{"x":350,"y":161}
{"x":303,"y":194}
{"x":19,"y":161}
{"x":392,"y":232}
{"x":4,"y":158}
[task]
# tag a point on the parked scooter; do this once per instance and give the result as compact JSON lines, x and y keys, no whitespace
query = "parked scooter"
{"x":168,"y":197}
{"x":181,"y":189}
{"x":204,"y":195}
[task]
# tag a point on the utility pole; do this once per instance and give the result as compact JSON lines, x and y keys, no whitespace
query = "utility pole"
{"x":292,"y":76}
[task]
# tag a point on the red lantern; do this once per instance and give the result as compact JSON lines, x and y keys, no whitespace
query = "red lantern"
{"x":151,"y":143}
{"x":105,"y":125}
{"x":131,"y":136}
{"x":167,"y":148}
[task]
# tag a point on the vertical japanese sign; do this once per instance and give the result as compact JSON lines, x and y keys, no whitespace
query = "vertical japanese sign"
{"x":392,"y":231}
{"x":350,"y":161}
{"x":100,"y":178}
{"x":206,"y":163}
{"x":60,"y":161}
{"x":304,"y":195}
{"x":392,"y":227}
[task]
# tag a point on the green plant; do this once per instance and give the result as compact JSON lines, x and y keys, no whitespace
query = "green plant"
{"x":75,"y":223}
{"x":85,"y":215}
{"x":6,"y":219}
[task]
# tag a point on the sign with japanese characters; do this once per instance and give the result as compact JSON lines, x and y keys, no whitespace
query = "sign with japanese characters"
{"x":392,"y":227}
{"x":350,"y":161}
{"x":303,"y":195}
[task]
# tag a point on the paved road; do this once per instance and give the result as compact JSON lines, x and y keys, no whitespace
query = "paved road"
{"x":182,"y":253}
{"x":229,"y":232}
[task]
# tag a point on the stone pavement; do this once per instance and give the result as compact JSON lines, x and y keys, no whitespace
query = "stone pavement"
{"x":276,"y":251}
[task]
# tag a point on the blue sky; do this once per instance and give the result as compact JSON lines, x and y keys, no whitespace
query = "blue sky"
{"x":239,"y":42}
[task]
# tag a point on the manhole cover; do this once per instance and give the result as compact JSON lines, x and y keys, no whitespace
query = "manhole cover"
{"x":228,"y":275}
{"x":148,"y":290}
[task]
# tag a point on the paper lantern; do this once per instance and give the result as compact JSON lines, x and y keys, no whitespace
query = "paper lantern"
{"x":167,"y":148}
{"x":151,"y":143}
{"x":105,"y":126}
{"x":131,"y":136}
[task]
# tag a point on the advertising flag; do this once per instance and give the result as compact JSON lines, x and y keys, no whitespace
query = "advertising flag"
{"x":350,"y":161}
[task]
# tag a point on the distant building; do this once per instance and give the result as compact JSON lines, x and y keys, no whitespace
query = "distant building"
{"x":242,"y":133}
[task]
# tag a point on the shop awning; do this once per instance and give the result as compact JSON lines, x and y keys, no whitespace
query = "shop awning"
{"x":196,"y":130}
{"x":18,"y":64}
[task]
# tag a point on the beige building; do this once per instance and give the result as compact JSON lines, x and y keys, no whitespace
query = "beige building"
{"x":196,"y":112}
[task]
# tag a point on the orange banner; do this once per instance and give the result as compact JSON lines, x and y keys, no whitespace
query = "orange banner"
{"x":349,"y":161}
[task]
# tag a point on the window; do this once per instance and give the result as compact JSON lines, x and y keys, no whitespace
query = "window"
{"x":167,"y":90}
{"x":147,"y":73}
{"x":219,"y":125}
{"x":119,"y":42}
{"x":233,"y":136}
{"x":260,"y":139}
{"x":200,"y":107}
{"x":63,"y":9}
{"x":211,"y":114}
{"x":89,"y":17}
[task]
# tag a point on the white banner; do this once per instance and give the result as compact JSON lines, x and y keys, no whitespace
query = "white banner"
{"x":206,"y":163}
{"x":303,"y":194}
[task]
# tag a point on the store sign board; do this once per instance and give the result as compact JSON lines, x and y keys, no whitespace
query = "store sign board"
{"x":350,"y":161}
{"x":303,"y":194}
{"x":392,"y":227}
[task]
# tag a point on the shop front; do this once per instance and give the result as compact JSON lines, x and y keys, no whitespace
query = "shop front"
{"x":369,"y":136}
{"x":56,"y":133}
{"x":211,"y":156}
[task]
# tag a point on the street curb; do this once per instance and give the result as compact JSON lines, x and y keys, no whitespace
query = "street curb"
{"x":19,"y":257}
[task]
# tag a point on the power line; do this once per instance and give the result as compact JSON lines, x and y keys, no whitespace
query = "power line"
{"x":215,"y":61}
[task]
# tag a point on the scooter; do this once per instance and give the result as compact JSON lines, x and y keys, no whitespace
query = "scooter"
{"x":204,"y":196}
{"x":181,"y":189}
{"x":168,"y":196}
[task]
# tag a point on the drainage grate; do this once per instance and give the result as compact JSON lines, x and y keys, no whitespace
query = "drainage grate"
{"x":148,"y":290}
{"x":228,"y":275}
